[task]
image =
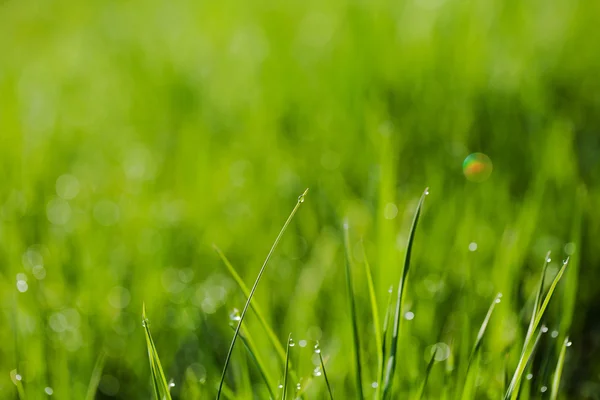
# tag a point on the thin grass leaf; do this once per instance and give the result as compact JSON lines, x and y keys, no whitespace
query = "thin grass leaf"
{"x":96,"y":375}
{"x":427,"y":372}
{"x":318,"y":351}
{"x":375,"y":313}
{"x":384,"y":335}
{"x":286,"y":367}
{"x":308,"y":380}
{"x":559,"y":368}
{"x":353,"y":315}
{"x":511,"y":393}
{"x":161,"y":387}
{"x":250,"y":347}
{"x":391,"y":361}
{"x":256,"y":282}
{"x":17,"y":381}
{"x":255,"y":307}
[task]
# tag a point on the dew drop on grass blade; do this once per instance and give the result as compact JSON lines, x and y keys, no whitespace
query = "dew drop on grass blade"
{"x":251,"y":294}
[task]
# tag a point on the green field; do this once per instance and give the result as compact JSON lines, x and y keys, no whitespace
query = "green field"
{"x":136,"y":135}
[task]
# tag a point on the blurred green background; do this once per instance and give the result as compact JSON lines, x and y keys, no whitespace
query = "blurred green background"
{"x":134,"y":135}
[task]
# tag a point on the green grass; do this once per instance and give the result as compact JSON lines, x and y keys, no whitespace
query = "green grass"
{"x":134,"y":135}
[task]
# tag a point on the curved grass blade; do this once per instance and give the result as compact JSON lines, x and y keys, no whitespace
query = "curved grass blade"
{"x":318,"y":351}
{"x":251,"y":346}
{"x":260,"y":273}
{"x":559,"y":368}
{"x":286,"y":367}
{"x":536,"y":318}
{"x":391,"y":361}
{"x":427,"y":372}
{"x":16,"y":380}
{"x":255,"y":307}
{"x":161,"y":387}
{"x":375,"y":312}
{"x":96,"y":375}
{"x":353,"y":316}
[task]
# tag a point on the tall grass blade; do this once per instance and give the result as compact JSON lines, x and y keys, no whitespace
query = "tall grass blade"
{"x":538,"y":313}
{"x":161,"y":387}
{"x":391,"y":361}
{"x":255,"y":307}
{"x":427,"y":372}
{"x":559,"y":368}
{"x":375,"y":312}
{"x":318,"y":351}
{"x":384,"y":337}
{"x":96,"y":375}
{"x":251,"y":294}
{"x":353,"y":315}
{"x":529,"y":357}
{"x":286,"y":367}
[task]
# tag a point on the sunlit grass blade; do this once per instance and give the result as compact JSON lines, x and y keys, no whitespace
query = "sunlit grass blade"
{"x":256,"y":282}
{"x":353,"y":315}
{"x":95,"y":378}
{"x":375,"y":313}
{"x":286,"y":367}
{"x":427,"y":372}
{"x":477,"y":345}
{"x":17,"y":381}
{"x":391,"y":360}
{"x":255,"y":307}
{"x":384,"y":337}
{"x":538,"y":313}
{"x":559,"y":368}
{"x":161,"y":387}
{"x":318,"y":351}
{"x":529,"y":357}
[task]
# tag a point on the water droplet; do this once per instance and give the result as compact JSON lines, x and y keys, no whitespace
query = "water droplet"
{"x":427,"y":192}
{"x":543,"y":389}
{"x":529,"y":377}
{"x":548,"y":259}
{"x":472,"y":246}
{"x":49,"y":391}
{"x":568,"y":344}
{"x":499,"y":295}
{"x":298,"y":386}
{"x":171,"y":384}
{"x":409,"y":315}
{"x":374,"y":385}
{"x":145,"y":322}
{"x":317,"y":371}
{"x":317,"y":348}
{"x":544,"y":329}
{"x":280,"y":386}
{"x":301,"y":197}
{"x":391,"y":289}
{"x":566,"y":261}
{"x":18,"y":377}
{"x":291,"y":343}
{"x":554,"y":334}
{"x":234,"y":315}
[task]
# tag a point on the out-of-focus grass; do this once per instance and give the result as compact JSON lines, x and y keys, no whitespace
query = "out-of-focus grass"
{"x":133,"y":135}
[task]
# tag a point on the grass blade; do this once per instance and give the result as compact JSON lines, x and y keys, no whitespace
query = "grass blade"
{"x":427,"y":372}
{"x":255,"y":307}
{"x":161,"y":387}
{"x":384,"y":335}
{"x":391,"y":361}
{"x":251,"y":294}
{"x":559,"y":368}
{"x":286,"y":367}
{"x":96,"y":375}
{"x":353,"y":316}
{"x":16,"y":380}
{"x":511,"y":393}
{"x":375,"y":312}
{"x":250,"y":347}
{"x":318,"y":351}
